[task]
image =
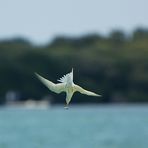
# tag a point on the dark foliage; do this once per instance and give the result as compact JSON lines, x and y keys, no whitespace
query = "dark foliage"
{"x":115,"y":66}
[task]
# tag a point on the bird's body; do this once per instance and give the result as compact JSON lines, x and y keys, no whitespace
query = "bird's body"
{"x":66,"y":85}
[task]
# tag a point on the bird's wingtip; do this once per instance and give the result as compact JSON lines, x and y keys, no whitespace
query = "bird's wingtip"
{"x":97,"y":95}
{"x":36,"y":73}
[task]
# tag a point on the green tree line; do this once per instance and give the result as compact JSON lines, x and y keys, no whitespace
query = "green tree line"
{"x":115,"y":66}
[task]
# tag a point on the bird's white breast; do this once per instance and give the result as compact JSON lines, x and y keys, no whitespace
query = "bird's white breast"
{"x":69,"y":88}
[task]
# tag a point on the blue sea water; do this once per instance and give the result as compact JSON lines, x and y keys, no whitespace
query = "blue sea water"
{"x":102,"y":126}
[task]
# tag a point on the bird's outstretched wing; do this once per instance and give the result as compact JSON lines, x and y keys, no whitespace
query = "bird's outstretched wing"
{"x":86,"y":92}
{"x":57,"y":88}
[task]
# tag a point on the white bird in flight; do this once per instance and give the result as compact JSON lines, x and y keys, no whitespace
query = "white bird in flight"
{"x":66,"y":85}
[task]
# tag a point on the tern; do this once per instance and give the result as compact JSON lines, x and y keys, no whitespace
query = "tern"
{"x":66,"y":85}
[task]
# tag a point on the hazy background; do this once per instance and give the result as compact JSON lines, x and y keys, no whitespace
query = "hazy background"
{"x":106,"y":42}
{"x":40,"y":21}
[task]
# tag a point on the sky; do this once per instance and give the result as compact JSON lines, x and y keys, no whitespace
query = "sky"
{"x":42,"y":20}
